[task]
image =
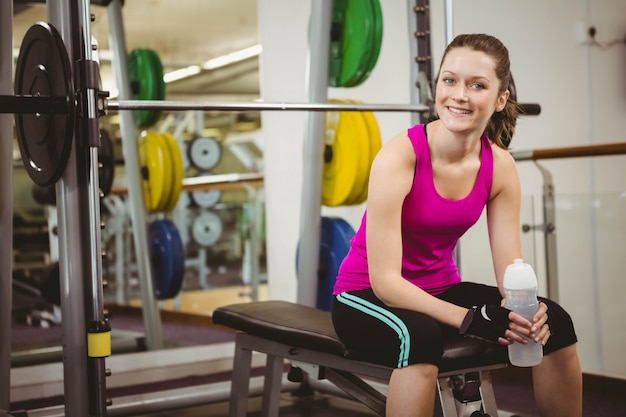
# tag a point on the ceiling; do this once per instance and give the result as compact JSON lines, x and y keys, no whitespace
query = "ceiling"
{"x":183,"y":33}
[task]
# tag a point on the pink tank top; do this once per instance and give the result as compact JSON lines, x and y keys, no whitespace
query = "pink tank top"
{"x":431,"y":226}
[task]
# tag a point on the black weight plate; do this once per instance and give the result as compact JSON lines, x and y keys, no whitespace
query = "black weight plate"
{"x":106,"y":160}
{"x":43,"y":69}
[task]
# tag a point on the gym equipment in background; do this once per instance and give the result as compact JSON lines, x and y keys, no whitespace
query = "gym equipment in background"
{"x":167,"y":258}
{"x":145,"y":72}
{"x":355,"y":41}
{"x":204,"y":153}
{"x":161,"y":171}
{"x":335,"y":237}
{"x":352,"y":142}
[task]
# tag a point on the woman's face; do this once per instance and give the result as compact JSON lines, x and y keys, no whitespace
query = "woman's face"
{"x":467,"y":91}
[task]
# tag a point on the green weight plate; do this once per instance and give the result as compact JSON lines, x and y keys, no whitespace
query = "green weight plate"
{"x":145,"y":73}
{"x":358,"y":33}
{"x":335,"y":51}
{"x":43,"y":69}
{"x":377,"y":41}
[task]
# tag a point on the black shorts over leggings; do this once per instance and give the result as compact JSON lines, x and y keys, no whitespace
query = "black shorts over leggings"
{"x":398,"y":338}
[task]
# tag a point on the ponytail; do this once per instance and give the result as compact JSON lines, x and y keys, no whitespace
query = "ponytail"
{"x":501,"y":126}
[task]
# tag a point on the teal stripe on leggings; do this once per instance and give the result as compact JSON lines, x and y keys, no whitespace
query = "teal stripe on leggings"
{"x":386,"y":317}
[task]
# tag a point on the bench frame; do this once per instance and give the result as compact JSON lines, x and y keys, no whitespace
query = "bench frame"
{"x":460,"y":392}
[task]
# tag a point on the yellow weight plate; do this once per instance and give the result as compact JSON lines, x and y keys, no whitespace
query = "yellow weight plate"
{"x":363,"y":144}
{"x":341,"y":172}
{"x":149,"y":156}
{"x":168,"y":170}
{"x":177,"y":171}
{"x":156,"y":171}
{"x":375,"y":143}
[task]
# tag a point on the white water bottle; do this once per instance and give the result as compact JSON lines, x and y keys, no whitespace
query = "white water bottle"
{"x":520,"y":289}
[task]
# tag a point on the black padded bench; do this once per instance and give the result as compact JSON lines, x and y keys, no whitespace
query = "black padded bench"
{"x":305,"y":336}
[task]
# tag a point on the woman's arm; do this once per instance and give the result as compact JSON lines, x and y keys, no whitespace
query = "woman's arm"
{"x":391,"y":179}
{"x":503,"y":213}
{"x":503,"y":222}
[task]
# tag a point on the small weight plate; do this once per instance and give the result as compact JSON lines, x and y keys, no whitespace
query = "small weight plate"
{"x":173,"y":151}
{"x":206,"y":198}
{"x":205,"y":153}
{"x":43,"y":69}
{"x":206,"y":229}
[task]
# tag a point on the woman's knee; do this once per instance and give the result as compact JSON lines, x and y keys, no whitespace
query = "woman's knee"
{"x":562,"y":332}
{"x":421,"y":371}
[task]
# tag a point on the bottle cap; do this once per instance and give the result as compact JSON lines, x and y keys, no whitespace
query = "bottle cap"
{"x":519,"y":275}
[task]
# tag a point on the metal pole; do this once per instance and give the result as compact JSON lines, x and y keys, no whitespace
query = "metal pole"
{"x":6,"y":202}
{"x":90,"y":192}
{"x":310,"y":213}
{"x":151,"y":316}
{"x":549,"y":234}
{"x":449,"y":21}
{"x":60,"y":105}
{"x":71,"y":263}
{"x":313,"y":106}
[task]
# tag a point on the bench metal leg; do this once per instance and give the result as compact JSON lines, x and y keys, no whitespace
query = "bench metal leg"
{"x":240,"y":385}
{"x":272,"y":386}
{"x":487,"y":394}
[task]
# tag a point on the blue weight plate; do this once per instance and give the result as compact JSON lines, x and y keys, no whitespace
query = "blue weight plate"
{"x":161,"y":258}
{"x":334,"y":246}
{"x":178,"y":259}
{"x":327,"y":274}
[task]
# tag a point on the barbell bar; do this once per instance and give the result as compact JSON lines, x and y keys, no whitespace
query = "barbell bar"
{"x":38,"y":104}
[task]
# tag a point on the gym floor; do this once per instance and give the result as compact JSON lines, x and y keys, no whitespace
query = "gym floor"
{"x":603,"y":396}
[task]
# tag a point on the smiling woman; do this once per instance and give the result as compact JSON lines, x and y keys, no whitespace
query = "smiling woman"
{"x":428,"y":185}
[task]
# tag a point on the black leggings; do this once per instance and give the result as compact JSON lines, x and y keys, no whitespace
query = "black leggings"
{"x":396,"y":337}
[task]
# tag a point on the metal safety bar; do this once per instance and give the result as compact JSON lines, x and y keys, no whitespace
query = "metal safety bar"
{"x":548,"y":198}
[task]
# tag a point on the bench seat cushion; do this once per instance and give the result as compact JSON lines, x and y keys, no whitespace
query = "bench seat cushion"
{"x":307,"y":327}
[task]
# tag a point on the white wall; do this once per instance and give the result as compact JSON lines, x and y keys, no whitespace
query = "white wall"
{"x":582,"y":92}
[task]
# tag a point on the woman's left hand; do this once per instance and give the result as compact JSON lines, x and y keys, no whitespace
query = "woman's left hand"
{"x":540,"y":328}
